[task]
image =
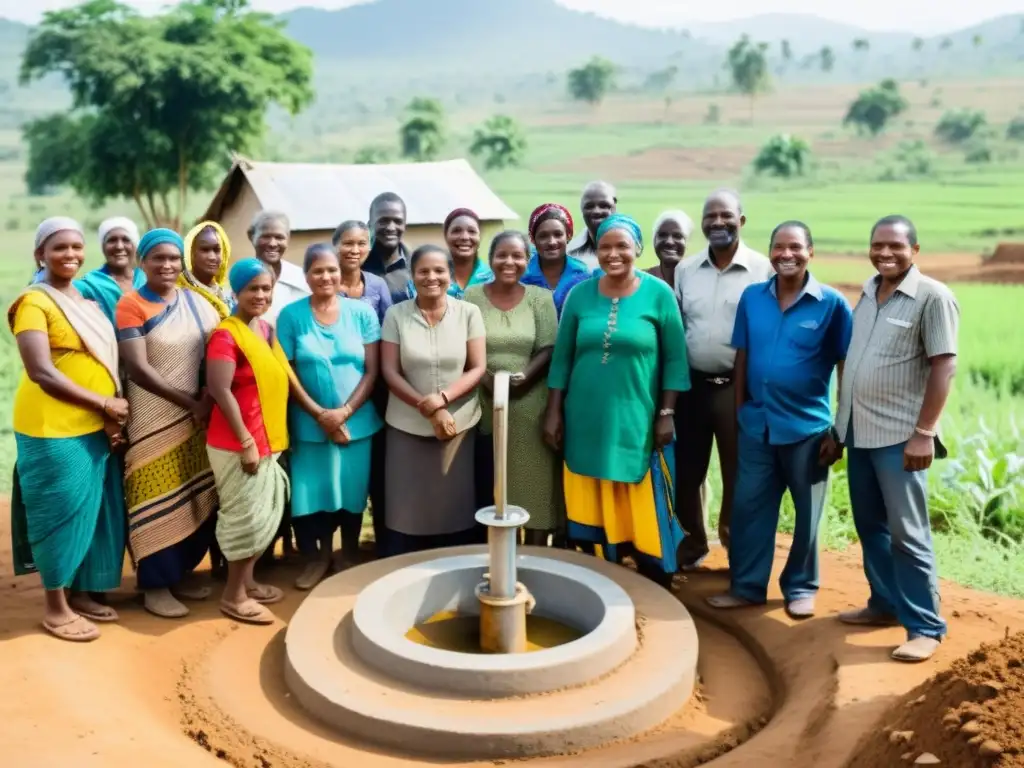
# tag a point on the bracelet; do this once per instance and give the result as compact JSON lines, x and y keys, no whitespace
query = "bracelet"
{"x":250,"y":440}
{"x":444,"y":397}
{"x":667,"y":412}
{"x":926,"y":432}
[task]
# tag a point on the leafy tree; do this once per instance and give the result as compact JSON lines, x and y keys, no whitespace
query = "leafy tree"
{"x":861,"y":44}
{"x":978,"y":152}
{"x":662,"y":79}
{"x":500,"y":142}
{"x":784,"y":156}
{"x":911,"y":159}
{"x":946,"y":44}
{"x":1015,"y":130}
{"x":786,"y":50}
{"x":875,"y":107}
{"x":159,"y":104}
{"x":958,"y":125}
{"x":371,"y":155}
{"x":977,"y":41}
{"x":918,"y":43}
{"x":748,"y":66}
{"x":827,"y":58}
{"x":422,"y":133}
{"x":592,"y":82}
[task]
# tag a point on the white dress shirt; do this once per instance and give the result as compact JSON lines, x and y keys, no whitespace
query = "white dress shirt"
{"x":290,"y":286}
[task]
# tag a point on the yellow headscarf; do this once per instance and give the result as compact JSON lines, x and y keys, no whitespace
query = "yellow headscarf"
{"x":218,"y":295}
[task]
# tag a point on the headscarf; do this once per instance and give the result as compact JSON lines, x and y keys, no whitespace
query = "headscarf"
{"x":451,"y":217}
{"x":625,"y":223}
{"x":156,"y":237}
{"x":679,"y":217}
{"x":217,"y":293}
{"x":550,"y":211}
{"x":122,"y":223}
{"x":56,"y":224}
{"x":244,"y":272}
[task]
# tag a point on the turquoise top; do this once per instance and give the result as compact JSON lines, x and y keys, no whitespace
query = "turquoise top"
{"x":615,"y":357}
{"x":481,"y":274}
{"x":100,"y":287}
{"x":329,"y":361}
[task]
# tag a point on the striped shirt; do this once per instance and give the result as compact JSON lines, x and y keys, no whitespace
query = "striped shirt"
{"x":887,"y":365}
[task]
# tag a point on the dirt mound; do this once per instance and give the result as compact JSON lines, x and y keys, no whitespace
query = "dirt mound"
{"x":1008,"y":253}
{"x":970,"y":715}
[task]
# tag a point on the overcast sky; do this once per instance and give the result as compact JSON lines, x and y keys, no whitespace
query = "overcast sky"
{"x":919,"y":16}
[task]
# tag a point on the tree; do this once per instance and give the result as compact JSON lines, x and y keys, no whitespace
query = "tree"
{"x":371,"y":155}
{"x":958,"y":125}
{"x":977,"y":41}
{"x":918,"y":44}
{"x":662,"y":79}
{"x":592,"y":82}
{"x":784,"y":156}
{"x":1015,"y":130}
{"x":159,"y":104}
{"x":422,"y":133}
{"x":748,"y":67}
{"x":786,"y":50}
{"x":501,"y":142}
{"x":827,"y":59}
{"x":861,"y":44}
{"x":946,"y":44}
{"x":875,"y":107}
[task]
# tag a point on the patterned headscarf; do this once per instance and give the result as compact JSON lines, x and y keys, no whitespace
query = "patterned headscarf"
{"x":625,"y":223}
{"x":451,"y":217}
{"x":56,"y":224}
{"x":244,"y":272}
{"x":123,"y":223}
{"x":156,"y":237}
{"x":550,"y":211}
{"x":679,"y":217}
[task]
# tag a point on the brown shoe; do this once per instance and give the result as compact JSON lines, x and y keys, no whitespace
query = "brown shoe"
{"x":865,"y":617}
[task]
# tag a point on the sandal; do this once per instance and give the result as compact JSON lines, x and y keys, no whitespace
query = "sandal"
{"x":248,"y":612}
{"x":265,"y":594}
{"x":86,"y":630}
{"x":93,"y":611}
{"x":194,"y":594}
{"x":311,"y":575}
{"x":160,"y":602}
{"x":728,"y":601}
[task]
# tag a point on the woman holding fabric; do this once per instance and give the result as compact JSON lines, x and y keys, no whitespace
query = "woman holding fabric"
{"x":68,"y":416}
{"x":207,"y":255}
{"x":520,"y":325}
{"x":169,"y":488}
{"x":119,"y":238}
{"x":250,"y":379}
{"x":550,"y":231}
{"x":333,"y":344}
{"x":462,"y":235}
{"x":433,"y":355}
{"x":618,"y":365}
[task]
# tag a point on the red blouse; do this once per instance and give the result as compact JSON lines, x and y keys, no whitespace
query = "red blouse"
{"x":219,"y":434}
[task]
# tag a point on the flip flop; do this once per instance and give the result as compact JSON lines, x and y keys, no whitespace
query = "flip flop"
{"x":162,"y":603}
{"x":62,"y":631}
{"x":249,"y":612}
{"x":109,"y":614}
{"x":265,"y":594}
{"x":728,"y":601}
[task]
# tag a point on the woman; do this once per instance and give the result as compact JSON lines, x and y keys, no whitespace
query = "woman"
{"x":207,"y":255}
{"x":333,"y":344}
{"x":520,"y":325}
{"x":68,"y":415}
{"x":433,"y":356}
{"x":169,"y":489}
{"x":119,"y":238}
{"x":672,"y":232}
{"x":550,"y":231}
{"x":352,"y":241}
{"x":462,"y":235}
{"x":618,"y":365}
{"x":250,"y":381}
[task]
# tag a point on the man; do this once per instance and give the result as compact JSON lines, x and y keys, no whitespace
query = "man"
{"x":597,"y":203}
{"x":708,"y":286}
{"x":269,"y":235}
{"x":791,"y":333}
{"x":899,"y":372}
{"x":389,"y":258}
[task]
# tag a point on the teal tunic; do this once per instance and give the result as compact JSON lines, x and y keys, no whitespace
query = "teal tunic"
{"x":615,"y":357}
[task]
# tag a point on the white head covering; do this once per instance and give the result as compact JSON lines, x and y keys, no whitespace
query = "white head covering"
{"x":679,"y":217}
{"x":122,"y":223}
{"x":56,"y":224}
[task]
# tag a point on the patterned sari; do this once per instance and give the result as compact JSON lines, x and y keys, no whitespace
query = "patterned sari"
{"x":169,"y":485}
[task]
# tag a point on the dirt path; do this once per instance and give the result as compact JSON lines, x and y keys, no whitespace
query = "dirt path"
{"x":138,"y":696}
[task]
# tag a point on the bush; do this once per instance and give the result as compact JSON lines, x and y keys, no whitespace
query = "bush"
{"x":959,"y":125}
{"x":371,"y":155}
{"x":784,"y":156}
{"x":713,"y":115}
{"x":978,"y":152}
{"x":1015,"y":130}
{"x":911,"y":159}
{"x":12,"y":224}
{"x":875,"y":107}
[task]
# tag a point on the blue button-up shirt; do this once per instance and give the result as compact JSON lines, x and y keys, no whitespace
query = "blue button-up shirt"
{"x":375,"y":293}
{"x":790,"y":359}
{"x":575,"y":271}
{"x":397,"y":274}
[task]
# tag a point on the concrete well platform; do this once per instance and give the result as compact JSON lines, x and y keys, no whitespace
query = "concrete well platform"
{"x":349,"y":664}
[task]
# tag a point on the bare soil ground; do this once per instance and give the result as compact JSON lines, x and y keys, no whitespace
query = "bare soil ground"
{"x":206,"y":691}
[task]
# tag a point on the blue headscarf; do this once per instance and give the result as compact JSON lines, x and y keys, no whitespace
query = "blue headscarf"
{"x":156,"y":237}
{"x":244,"y":272}
{"x":625,"y":223}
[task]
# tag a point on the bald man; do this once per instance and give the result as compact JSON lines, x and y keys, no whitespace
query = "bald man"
{"x":597,"y":203}
{"x":708,"y":286}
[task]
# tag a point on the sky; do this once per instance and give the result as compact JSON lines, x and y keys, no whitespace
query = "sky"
{"x":925,"y":17}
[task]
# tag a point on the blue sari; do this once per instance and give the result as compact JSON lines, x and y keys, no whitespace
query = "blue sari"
{"x":100,"y":287}
{"x":575,"y":272}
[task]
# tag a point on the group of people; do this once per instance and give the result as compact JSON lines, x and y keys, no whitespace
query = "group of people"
{"x":180,"y":405}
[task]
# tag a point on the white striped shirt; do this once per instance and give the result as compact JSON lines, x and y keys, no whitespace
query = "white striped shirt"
{"x":887,"y":364}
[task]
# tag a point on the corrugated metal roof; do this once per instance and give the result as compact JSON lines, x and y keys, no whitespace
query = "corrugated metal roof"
{"x":318,"y":196}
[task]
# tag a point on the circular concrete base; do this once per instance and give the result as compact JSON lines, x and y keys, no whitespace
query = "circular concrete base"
{"x":331,"y":679}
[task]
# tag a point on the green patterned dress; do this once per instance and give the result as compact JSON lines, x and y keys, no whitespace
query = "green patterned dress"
{"x":513,"y":338}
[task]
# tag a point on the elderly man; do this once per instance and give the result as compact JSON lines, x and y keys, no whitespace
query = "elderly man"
{"x":269,"y":235}
{"x":897,"y":378}
{"x":597,"y":203}
{"x":708,"y":286}
{"x":389,"y":258}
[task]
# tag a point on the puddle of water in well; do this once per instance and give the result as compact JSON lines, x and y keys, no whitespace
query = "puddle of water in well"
{"x":450,"y":631}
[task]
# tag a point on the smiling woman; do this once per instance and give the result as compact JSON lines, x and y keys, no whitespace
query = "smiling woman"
{"x":119,"y":238}
{"x":462,"y":234}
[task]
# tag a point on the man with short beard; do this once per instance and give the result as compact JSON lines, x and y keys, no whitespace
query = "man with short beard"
{"x":708,"y":286}
{"x":597,"y":204}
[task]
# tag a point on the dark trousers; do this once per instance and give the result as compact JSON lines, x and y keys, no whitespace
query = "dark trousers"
{"x":704,"y":415}
{"x":311,"y":529}
{"x":378,"y":459}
